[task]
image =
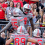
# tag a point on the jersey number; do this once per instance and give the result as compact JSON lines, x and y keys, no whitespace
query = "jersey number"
{"x":15,"y":25}
{"x":20,"y":40}
{"x":25,"y":20}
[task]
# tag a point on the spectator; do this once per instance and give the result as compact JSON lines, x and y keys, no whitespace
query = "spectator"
{"x":40,"y":4}
{"x":24,"y":2}
{"x":18,"y":5}
{"x":43,"y":2}
{"x":27,"y":1}
{"x":16,"y":1}
{"x":3,"y":36}
{"x":31,"y":1}
{"x":0,"y":1}
{"x":7,"y":2}
{"x":3,"y":7}
{"x":32,"y":9}
{"x":9,"y":11}
{"x":36,"y":11}
{"x":35,"y":8}
{"x":44,"y":19}
{"x":2,"y":41}
{"x":35,"y":5}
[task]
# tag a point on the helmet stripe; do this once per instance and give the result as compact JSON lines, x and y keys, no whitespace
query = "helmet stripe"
{"x":21,"y":29}
{"x":28,"y":6}
{"x":38,"y":33}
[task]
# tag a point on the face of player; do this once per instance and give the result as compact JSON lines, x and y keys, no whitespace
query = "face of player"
{"x":11,"y":4}
{"x":26,"y":11}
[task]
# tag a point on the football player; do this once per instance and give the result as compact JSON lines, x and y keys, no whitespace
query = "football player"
{"x":15,"y":20}
{"x":37,"y":34}
{"x":21,"y":37}
{"x":28,"y":17}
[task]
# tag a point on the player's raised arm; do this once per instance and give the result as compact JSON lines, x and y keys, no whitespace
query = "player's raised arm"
{"x":6,"y":27}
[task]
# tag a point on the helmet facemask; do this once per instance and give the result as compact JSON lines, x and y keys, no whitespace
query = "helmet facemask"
{"x":26,"y":11}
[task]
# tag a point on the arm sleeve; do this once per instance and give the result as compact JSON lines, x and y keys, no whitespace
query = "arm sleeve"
{"x":6,"y":27}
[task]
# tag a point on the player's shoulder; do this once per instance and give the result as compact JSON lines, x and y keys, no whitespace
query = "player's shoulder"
{"x":27,"y":35}
{"x":20,"y":18}
{"x":11,"y":17}
{"x":30,"y":14}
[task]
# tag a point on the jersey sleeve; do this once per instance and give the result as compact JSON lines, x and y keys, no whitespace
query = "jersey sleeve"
{"x":6,"y":27}
{"x":30,"y":15}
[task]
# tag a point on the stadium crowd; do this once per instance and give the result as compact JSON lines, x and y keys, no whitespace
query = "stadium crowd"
{"x":35,"y":27}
